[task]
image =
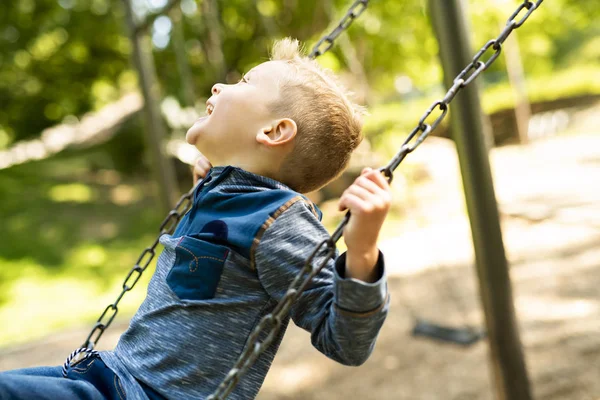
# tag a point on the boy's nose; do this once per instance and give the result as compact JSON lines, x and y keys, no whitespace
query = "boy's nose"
{"x":216,"y":89}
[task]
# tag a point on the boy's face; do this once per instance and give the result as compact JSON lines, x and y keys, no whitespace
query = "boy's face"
{"x":236,"y":114}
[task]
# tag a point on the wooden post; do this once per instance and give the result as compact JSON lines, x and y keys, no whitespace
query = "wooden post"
{"x":516,"y":77}
{"x":183,"y":66}
{"x":506,"y":354}
{"x":143,"y":60}
{"x":213,"y":44}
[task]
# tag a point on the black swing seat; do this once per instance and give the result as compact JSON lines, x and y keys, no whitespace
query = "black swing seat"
{"x":462,"y":336}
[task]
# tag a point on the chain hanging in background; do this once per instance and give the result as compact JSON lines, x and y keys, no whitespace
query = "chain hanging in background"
{"x":271,"y":322}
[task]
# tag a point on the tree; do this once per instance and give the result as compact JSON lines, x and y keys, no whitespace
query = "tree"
{"x":62,"y":58}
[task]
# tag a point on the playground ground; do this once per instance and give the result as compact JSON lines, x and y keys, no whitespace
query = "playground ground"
{"x":549,"y":200}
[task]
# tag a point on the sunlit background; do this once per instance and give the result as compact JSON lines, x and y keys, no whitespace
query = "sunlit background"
{"x":78,"y":201}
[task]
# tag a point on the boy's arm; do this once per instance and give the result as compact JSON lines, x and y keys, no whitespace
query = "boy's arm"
{"x":342,"y":314}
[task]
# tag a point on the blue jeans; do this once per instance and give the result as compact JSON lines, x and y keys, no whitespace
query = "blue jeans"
{"x":89,"y":379}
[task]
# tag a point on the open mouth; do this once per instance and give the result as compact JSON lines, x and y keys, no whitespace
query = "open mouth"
{"x":209,"y":108}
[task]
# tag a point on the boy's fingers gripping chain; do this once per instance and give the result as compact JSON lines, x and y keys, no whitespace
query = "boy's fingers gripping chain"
{"x":378,"y":177}
{"x":371,"y":186}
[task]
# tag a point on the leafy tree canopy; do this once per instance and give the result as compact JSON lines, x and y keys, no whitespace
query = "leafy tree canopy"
{"x":59,"y":59}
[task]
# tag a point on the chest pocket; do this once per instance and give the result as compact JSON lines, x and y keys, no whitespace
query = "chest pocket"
{"x":197,"y":269}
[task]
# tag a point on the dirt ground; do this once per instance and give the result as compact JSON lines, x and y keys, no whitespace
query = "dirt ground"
{"x":549,"y":199}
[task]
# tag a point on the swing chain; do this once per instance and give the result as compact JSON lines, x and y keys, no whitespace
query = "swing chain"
{"x":326,"y":42}
{"x":253,"y":347}
{"x":134,"y":275}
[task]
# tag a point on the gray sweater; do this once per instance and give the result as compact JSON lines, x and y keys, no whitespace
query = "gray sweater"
{"x":231,"y":258}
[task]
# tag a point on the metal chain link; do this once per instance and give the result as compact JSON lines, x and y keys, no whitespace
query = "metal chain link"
{"x":326,"y":42}
{"x":269,"y":325}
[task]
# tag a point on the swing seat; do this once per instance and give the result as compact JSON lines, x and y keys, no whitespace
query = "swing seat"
{"x":462,"y":336}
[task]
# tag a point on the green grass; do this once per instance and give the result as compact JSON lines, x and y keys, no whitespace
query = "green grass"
{"x":69,"y":237}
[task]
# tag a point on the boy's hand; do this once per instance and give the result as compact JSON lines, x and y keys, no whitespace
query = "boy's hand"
{"x":368,"y":199}
{"x":201,"y":168}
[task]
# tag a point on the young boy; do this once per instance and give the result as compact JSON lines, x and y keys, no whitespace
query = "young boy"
{"x":286,"y":128}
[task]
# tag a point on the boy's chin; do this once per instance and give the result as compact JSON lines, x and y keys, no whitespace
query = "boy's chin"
{"x":191,"y":136}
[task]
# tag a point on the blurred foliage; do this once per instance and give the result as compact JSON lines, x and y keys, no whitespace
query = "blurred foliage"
{"x":59,"y":59}
{"x":390,"y":122}
{"x":73,"y":227}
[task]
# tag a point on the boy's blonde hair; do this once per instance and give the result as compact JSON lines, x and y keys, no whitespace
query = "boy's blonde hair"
{"x":329,"y":124}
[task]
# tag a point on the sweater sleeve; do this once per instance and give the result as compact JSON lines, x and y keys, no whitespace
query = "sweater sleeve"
{"x":343,"y":315}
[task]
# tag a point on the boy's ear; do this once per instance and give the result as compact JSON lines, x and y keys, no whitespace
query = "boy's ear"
{"x":281,"y":132}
